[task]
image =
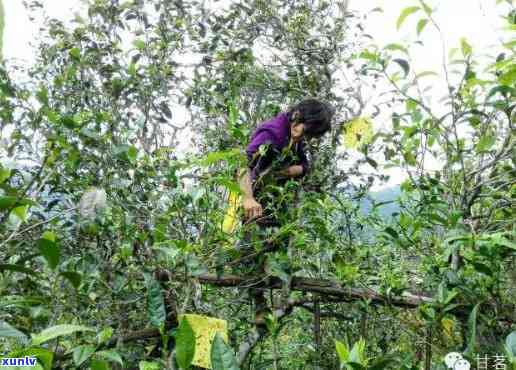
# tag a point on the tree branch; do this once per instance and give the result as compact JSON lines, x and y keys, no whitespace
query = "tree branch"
{"x":302,"y":284}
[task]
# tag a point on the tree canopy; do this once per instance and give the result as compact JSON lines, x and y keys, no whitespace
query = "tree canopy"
{"x":118,"y":153}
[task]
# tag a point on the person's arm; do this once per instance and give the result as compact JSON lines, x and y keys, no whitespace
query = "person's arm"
{"x":257,"y":165}
{"x":300,"y":169}
{"x":252,"y":208}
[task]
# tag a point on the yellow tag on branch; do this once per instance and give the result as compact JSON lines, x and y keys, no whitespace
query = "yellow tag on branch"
{"x":231,"y":218}
{"x":205,"y":328}
{"x":357,"y":132}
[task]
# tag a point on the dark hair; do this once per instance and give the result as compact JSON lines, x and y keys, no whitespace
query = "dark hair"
{"x":315,"y":114}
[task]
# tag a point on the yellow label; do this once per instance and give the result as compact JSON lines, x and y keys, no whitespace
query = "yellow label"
{"x":231,"y":218}
{"x":205,"y":328}
{"x":357,"y":132}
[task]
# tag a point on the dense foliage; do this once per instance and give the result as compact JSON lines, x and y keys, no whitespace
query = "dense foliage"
{"x":119,"y":147}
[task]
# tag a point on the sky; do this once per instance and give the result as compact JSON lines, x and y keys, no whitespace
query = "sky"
{"x":476,"y":20}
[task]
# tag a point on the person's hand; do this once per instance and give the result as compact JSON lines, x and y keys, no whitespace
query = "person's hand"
{"x":292,"y":171}
{"x":252,"y":209}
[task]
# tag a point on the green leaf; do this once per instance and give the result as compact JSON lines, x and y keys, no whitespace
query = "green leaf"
{"x":104,"y":335}
{"x":75,"y":54}
{"x":73,"y":277}
{"x":458,"y":238}
{"x":53,"y":116}
{"x":8,"y":331}
{"x":222,"y":356}
{"x":50,"y":251}
{"x":69,"y":121}
{"x":368,"y":55}
{"x":394,"y":46}
{"x":389,"y":230}
{"x":22,"y":302}
{"x":502,"y":89}
{"x":165,"y":109}
{"x":404,"y":65}
{"x":148,"y":365}
{"x":451,"y":307}
{"x":155,"y":303}
{"x":112,"y":356}
{"x":357,"y":354}
{"x":409,"y":158}
{"x":232,"y":186}
{"x":10,"y":201}
{"x":277,"y":267}
{"x":371,"y":162}
{"x":442,"y":292}
{"x":214,"y":157}
{"x":44,"y":356}
{"x":7,"y":202}
{"x":82,"y":353}
{"x":485,"y":143}
{"x":42,"y":95}
{"x":472,"y":330}
{"x":382,"y":363}
{"x":483,"y":268}
{"x":342,"y":351}
{"x":132,"y":69}
{"x":5,"y":173}
{"x":185,"y":344}
{"x":421,"y":25}
{"x":404,"y":14}
{"x":507,"y":78}
{"x":428,"y":313}
{"x":132,"y":153}
{"x":465,"y":47}
{"x":17,"y":268}
{"x":97,"y":364}
{"x":355,"y":366}
{"x":21,"y":212}
{"x":117,"y":85}
{"x":57,"y":331}
{"x":49,"y":235}
{"x":450,"y":296}
{"x":510,"y":343}
{"x":504,"y":242}
{"x":139,"y":44}
{"x":426,"y":8}
{"x":438,"y":219}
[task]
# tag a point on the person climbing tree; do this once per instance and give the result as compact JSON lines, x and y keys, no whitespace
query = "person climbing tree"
{"x":278,"y":143}
{"x":275,"y":155}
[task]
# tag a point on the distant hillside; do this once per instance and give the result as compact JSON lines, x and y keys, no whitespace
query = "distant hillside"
{"x":386,"y":195}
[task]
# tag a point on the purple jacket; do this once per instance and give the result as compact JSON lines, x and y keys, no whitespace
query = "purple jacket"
{"x":275,"y":132}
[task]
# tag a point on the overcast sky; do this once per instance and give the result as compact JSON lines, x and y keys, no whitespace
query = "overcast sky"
{"x":476,"y":20}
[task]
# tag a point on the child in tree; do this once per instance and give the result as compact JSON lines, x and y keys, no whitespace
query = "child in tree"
{"x":275,"y":155}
